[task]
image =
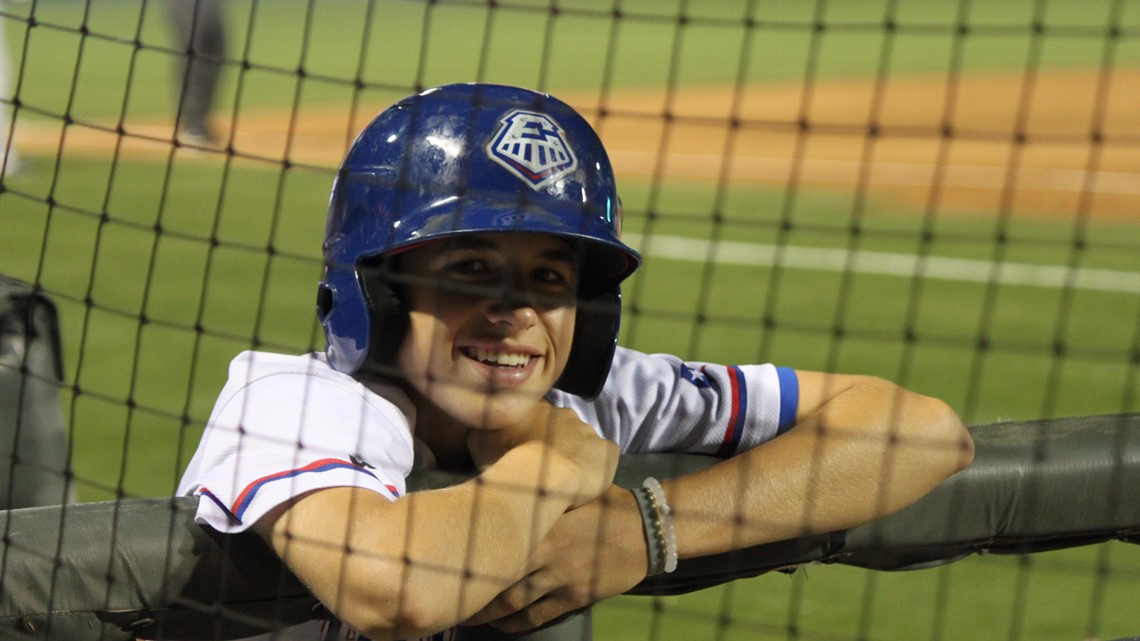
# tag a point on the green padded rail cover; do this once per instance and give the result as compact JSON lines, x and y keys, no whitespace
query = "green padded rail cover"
{"x":143,"y":567}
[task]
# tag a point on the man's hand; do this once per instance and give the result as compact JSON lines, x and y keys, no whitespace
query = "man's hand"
{"x":592,"y":553}
{"x":567,"y":443}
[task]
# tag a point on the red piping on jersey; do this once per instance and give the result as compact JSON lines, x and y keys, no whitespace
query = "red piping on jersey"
{"x":737,"y":391}
{"x":241,"y":503}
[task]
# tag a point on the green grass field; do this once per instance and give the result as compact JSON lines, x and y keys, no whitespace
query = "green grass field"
{"x":163,"y":269}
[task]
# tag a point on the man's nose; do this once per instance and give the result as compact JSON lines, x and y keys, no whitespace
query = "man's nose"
{"x":515,"y":305}
{"x":515,"y":311}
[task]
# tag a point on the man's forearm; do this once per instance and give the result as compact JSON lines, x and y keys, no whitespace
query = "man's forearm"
{"x":431,"y":559}
{"x":867,"y":453}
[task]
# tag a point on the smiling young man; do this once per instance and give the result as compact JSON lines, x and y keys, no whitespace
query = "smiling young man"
{"x":470,"y":302}
{"x":491,"y":324}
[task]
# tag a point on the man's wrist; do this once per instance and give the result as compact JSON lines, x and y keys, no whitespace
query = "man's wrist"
{"x":664,"y":525}
{"x":657,"y":525}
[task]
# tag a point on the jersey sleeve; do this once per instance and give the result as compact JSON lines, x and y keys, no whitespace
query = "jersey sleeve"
{"x":286,"y":434}
{"x":660,"y":403}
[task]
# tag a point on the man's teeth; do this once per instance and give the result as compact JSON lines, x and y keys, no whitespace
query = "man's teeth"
{"x":499,"y":358}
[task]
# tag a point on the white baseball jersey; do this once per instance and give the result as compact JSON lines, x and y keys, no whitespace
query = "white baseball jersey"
{"x":285,"y":425}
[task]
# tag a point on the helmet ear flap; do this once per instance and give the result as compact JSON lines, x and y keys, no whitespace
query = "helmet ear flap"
{"x":343,"y":313}
{"x":389,"y":320}
{"x":364,"y":319}
{"x":595,"y":339}
{"x":325,"y":301}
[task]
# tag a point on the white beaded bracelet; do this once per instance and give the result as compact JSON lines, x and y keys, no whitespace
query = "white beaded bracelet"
{"x":654,"y":533}
{"x":665,"y":519}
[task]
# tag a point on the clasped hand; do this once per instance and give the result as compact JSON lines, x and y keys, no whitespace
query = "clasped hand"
{"x":566,"y":444}
{"x":594,"y":551}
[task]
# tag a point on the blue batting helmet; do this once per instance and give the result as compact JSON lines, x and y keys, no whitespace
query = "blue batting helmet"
{"x":461,"y":159}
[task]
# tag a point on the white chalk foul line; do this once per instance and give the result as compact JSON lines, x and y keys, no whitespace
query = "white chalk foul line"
{"x":895,"y":174}
{"x":888,"y":264}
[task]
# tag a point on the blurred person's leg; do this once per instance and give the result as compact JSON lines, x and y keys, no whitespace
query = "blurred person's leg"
{"x":199,"y":32}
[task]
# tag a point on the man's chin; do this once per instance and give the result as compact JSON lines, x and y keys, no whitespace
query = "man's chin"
{"x":494,"y":411}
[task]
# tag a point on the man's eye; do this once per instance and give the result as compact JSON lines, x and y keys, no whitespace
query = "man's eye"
{"x":470,"y":267}
{"x":549,"y":276}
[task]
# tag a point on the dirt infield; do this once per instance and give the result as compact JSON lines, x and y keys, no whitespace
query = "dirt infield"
{"x":1017,"y":143}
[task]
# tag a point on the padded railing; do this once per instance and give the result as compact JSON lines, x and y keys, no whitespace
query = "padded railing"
{"x":116,"y":569}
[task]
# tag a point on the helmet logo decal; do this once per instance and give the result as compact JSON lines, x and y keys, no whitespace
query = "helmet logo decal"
{"x":532,"y":146}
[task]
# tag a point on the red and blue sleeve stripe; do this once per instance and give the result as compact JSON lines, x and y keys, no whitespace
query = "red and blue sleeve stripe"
{"x":739,"y":399}
{"x":738,"y":413}
{"x":243,"y":500}
{"x":222,"y":506}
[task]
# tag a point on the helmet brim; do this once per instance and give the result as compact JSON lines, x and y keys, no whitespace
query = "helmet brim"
{"x":605,"y":261}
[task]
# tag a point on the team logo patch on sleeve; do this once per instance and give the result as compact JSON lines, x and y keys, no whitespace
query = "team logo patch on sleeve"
{"x":532,"y":147}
